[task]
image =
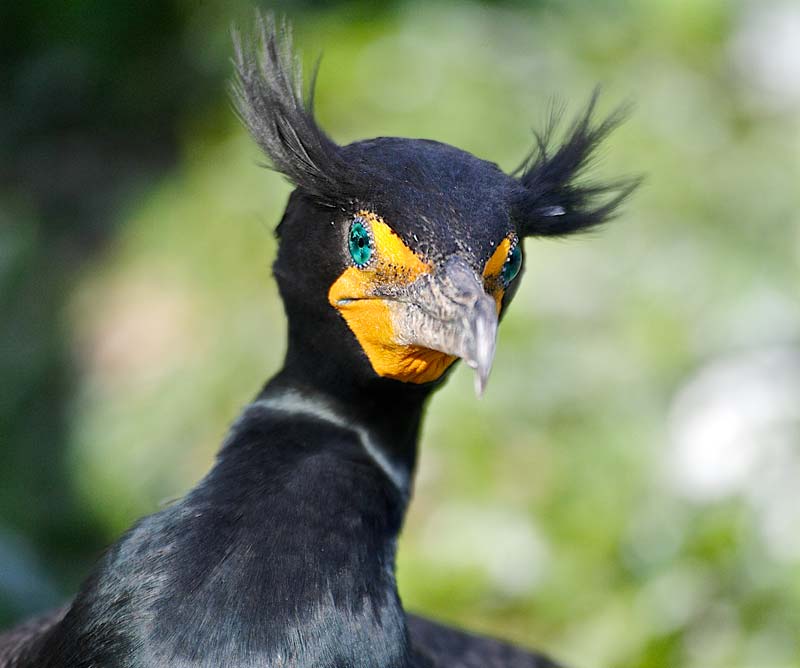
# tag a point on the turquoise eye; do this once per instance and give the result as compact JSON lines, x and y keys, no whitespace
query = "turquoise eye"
{"x":360,"y":243}
{"x":513,"y":265}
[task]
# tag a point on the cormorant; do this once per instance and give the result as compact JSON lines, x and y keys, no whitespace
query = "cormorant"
{"x":396,"y":257}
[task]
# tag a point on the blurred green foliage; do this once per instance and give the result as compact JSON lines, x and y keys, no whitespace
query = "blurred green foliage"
{"x":614,"y":498}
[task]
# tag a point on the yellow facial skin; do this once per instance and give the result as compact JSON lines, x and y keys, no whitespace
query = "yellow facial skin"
{"x":355,"y":295}
{"x":369,"y":317}
{"x":493,"y":270}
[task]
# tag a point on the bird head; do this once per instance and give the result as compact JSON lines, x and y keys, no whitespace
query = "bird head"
{"x":415,"y":246}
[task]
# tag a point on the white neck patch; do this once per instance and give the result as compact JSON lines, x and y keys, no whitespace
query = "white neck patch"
{"x":293,"y":402}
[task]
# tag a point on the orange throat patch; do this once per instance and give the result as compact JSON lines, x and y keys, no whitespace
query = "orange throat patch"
{"x":370,"y":318}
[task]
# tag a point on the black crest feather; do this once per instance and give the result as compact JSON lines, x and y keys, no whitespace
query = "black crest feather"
{"x":268,"y":96}
{"x":554,"y":201}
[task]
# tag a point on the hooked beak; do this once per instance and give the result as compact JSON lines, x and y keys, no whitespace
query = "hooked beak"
{"x":449,"y":311}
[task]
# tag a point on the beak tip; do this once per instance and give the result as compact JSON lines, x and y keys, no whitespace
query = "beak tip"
{"x":484,"y":341}
{"x":451,"y":312}
{"x":482,"y":369}
{"x":480,"y":384}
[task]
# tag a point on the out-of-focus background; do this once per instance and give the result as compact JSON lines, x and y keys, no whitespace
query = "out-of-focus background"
{"x":626,"y":494}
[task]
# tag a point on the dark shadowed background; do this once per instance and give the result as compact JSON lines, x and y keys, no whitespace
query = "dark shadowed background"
{"x":625,"y":494}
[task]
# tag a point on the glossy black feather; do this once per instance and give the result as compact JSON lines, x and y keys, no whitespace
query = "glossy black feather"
{"x":268,"y":96}
{"x":285,"y":549}
{"x":283,"y":555}
{"x":445,"y":646}
{"x":556,"y":200}
{"x":550,"y":198}
{"x":18,"y":644}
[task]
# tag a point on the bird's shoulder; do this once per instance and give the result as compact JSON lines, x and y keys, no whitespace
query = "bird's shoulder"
{"x":19,"y":642}
{"x":439,"y":646}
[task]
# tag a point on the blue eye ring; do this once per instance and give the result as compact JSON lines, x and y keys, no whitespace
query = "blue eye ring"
{"x":512,"y":264}
{"x":359,"y":242}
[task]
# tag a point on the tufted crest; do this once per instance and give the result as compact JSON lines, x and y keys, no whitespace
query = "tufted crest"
{"x":555,"y":199}
{"x":268,"y":96}
{"x":547,"y":195}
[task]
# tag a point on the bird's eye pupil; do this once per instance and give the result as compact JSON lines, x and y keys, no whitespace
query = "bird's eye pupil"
{"x":360,"y":243}
{"x":513,"y":265}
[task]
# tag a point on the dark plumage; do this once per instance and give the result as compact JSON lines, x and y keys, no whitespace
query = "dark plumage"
{"x":396,"y":256}
{"x":554,"y":204}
